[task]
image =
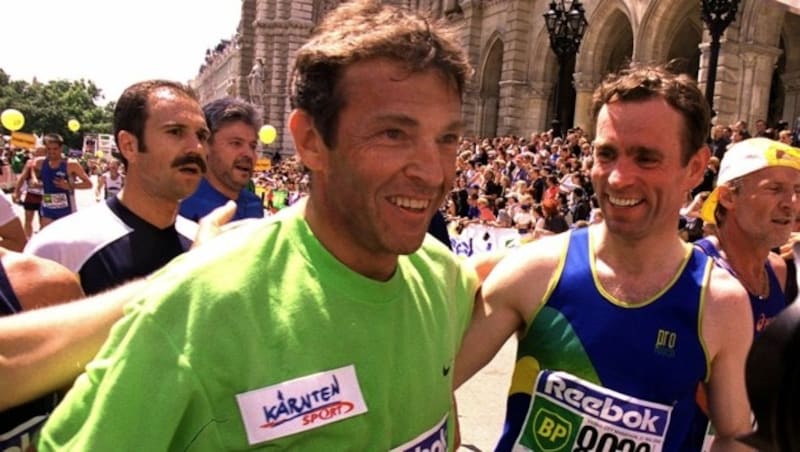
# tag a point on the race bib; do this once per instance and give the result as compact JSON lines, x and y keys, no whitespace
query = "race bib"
{"x":55,"y":200}
{"x":21,"y":437}
{"x":570,"y":414}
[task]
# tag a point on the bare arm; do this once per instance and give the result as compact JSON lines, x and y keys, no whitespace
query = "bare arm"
{"x":486,"y":262}
{"x":76,"y":170}
{"x":505,"y":302}
{"x":693,"y":209}
{"x":36,"y":283}
{"x":26,"y":173}
{"x":101,"y":182}
{"x":43,"y":350}
{"x":728,"y":332}
{"x":13,"y":236}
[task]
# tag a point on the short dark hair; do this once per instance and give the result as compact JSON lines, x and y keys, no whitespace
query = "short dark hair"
{"x":229,"y":109}
{"x":361,"y":30}
{"x":641,"y":82}
{"x":131,"y":110}
{"x":53,"y":138}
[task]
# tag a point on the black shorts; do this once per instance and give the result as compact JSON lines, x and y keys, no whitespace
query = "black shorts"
{"x":31,"y":201}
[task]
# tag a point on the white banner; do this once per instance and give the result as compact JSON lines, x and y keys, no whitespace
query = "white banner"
{"x":476,"y":239}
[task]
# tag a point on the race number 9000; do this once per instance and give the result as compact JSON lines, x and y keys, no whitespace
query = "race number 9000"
{"x":590,"y":440}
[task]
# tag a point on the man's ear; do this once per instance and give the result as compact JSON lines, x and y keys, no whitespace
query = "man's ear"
{"x":128,"y":145}
{"x":697,"y":165}
{"x":725,"y":196}
{"x":307,"y":140}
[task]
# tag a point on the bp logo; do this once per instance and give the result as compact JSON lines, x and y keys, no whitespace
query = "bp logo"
{"x":550,"y":431}
{"x":549,"y":428}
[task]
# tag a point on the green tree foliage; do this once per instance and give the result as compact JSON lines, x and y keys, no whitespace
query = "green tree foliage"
{"x":48,"y":107}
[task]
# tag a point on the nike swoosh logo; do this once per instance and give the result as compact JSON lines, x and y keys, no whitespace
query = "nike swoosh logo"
{"x":445,"y":370}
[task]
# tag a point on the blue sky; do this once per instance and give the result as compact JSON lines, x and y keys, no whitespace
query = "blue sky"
{"x":111,"y":42}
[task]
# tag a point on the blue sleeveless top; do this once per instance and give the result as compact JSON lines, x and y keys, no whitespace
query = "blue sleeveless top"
{"x":56,"y":202}
{"x":764,"y":309}
{"x":20,"y":423}
{"x":637,"y":367}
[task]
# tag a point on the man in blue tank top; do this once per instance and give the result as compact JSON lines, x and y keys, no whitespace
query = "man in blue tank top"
{"x":618,"y":323}
{"x":753,"y":207}
{"x":59,"y":177}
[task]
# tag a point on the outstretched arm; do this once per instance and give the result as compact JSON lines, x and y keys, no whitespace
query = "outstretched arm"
{"x":43,"y":350}
{"x":76,"y":171}
{"x":506,"y":302}
{"x":31,"y":344}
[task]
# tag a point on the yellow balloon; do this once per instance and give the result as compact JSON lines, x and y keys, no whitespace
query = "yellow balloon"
{"x":73,"y":125}
{"x":99,"y":154}
{"x":267,"y":134}
{"x":12,"y":119}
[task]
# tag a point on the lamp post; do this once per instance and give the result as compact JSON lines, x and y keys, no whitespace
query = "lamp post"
{"x":566,"y":23}
{"x":717,"y":15}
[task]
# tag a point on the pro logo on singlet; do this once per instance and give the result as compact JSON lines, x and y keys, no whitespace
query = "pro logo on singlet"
{"x":570,"y":414}
{"x":301,"y":404}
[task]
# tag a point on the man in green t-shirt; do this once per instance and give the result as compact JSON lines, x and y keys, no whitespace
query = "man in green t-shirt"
{"x":333,"y":325}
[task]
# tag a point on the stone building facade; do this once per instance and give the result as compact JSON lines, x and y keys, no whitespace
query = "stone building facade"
{"x":516,"y":72}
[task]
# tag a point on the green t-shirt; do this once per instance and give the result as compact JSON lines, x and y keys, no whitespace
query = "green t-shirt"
{"x":18,"y":162}
{"x":263,"y":328}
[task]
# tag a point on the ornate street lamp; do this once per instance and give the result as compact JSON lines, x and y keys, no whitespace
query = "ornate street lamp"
{"x":566,"y":23}
{"x":717,"y":14}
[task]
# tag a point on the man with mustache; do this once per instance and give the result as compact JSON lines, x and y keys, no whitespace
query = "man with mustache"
{"x":231,"y":158}
{"x":162,"y":137}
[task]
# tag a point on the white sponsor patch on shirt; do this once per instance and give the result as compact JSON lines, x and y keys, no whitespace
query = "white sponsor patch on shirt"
{"x":433,"y":440}
{"x":301,"y":404}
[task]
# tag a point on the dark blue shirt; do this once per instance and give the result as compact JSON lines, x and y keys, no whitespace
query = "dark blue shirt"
{"x":208,"y":198}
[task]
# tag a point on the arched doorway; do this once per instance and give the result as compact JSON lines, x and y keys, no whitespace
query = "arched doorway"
{"x":490,"y":89}
{"x":619,"y":44}
{"x":776,"y":91}
{"x":685,"y":47}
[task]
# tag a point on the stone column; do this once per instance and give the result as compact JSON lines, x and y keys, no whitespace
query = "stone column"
{"x":756,"y":81}
{"x":726,"y":92}
{"x":791,"y":105}
{"x":538,"y":103}
{"x":469,"y":29}
{"x":585,"y":84}
{"x":513,"y":79}
{"x":744,"y":79}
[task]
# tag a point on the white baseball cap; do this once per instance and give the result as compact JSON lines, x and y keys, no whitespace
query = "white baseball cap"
{"x":746,"y":157}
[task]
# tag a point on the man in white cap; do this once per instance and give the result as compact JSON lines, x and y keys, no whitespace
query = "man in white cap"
{"x":753,"y":206}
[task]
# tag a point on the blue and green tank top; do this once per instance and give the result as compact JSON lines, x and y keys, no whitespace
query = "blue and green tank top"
{"x":593,"y":373}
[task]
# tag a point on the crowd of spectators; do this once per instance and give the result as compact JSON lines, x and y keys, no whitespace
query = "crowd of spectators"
{"x":538,"y":185}
{"x":282,"y":184}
